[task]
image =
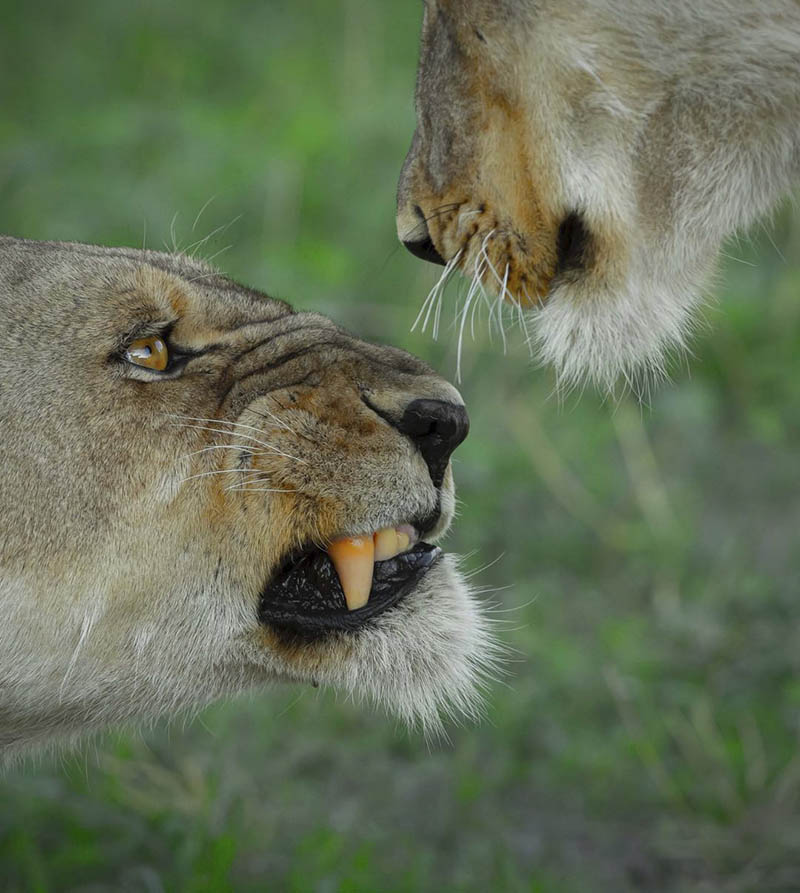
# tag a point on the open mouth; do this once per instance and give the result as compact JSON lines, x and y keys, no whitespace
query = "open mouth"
{"x":357,"y":579}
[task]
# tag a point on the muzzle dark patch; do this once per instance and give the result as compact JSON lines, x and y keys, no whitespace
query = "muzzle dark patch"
{"x":573,"y":244}
{"x":306,"y":596}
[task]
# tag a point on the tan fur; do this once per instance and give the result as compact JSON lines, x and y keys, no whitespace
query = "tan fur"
{"x":130,"y":571}
{"x":663,"y":125}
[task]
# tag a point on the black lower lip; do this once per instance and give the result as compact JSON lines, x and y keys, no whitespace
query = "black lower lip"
{"x":307,"y":596}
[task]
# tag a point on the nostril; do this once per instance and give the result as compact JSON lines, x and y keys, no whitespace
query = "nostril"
{"x":437,"y":428}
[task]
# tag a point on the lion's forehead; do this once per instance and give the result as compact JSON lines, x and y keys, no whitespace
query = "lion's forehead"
{"x":57,"y":293}
{"x":70,"y":282}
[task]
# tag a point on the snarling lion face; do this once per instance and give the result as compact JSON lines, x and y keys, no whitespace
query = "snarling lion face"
{"x":179,"y":455}
{"x":583,"y":160}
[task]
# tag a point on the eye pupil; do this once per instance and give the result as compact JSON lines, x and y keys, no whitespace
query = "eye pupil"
{"x":149,"y":352}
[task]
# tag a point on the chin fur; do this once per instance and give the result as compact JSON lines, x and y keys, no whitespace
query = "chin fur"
{"x":604,"y":337}
{"x":425,"y":661}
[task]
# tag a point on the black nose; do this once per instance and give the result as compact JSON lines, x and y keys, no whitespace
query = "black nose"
{"x":422,"y":246}
{"x":437,"y":428}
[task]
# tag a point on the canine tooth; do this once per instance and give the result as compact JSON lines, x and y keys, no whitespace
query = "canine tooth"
{"x":353,"y":559}
{"x":386,"y":545}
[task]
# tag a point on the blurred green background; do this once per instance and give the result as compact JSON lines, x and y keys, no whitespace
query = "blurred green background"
{"x":646,"y":559}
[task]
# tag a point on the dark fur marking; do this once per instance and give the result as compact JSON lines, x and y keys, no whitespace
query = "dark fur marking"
{"x":573,"y":244}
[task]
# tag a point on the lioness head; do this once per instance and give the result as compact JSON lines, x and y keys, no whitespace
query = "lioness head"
{"x":585,"y":158}
{"x":177,"y":453}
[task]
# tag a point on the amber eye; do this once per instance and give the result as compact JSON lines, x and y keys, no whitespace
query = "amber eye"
{"x":149,"y":352}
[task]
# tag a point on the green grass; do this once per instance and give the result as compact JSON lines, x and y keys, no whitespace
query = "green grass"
{"x":648,"y":558}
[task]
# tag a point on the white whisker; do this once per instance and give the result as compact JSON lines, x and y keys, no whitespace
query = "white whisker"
{"x":485,"y":253}
{"x":428,"y":303}
{"x":200,"y":212}
{"x":200,"y":242}
{"x":440,"y":296}
{"x":247,"y":489}
{"x":501,"y":308}
{"x":487,"y":263}
{"x":172,"y":233}
{"x":227,"y":446}
{"x":497,"y":306}
{"x":467,"y":301}
{"x":217,"y":253}
{"x":524,"y":325}
{"x":202,"y":474}
{"x":250,"y":438}
{"x":235,"y":433}
{"x":475,"y":306}
{"x":437,"y":316}
{"x":430,"y":298}
{"x":470,"y":299}
{"x":477,"y":282}
{"x":274,"y":418}
{"x":468,"y":575}
{"x":434,"y":295}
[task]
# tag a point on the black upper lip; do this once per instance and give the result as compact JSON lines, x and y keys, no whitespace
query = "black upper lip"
{"x":306,"y":596}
